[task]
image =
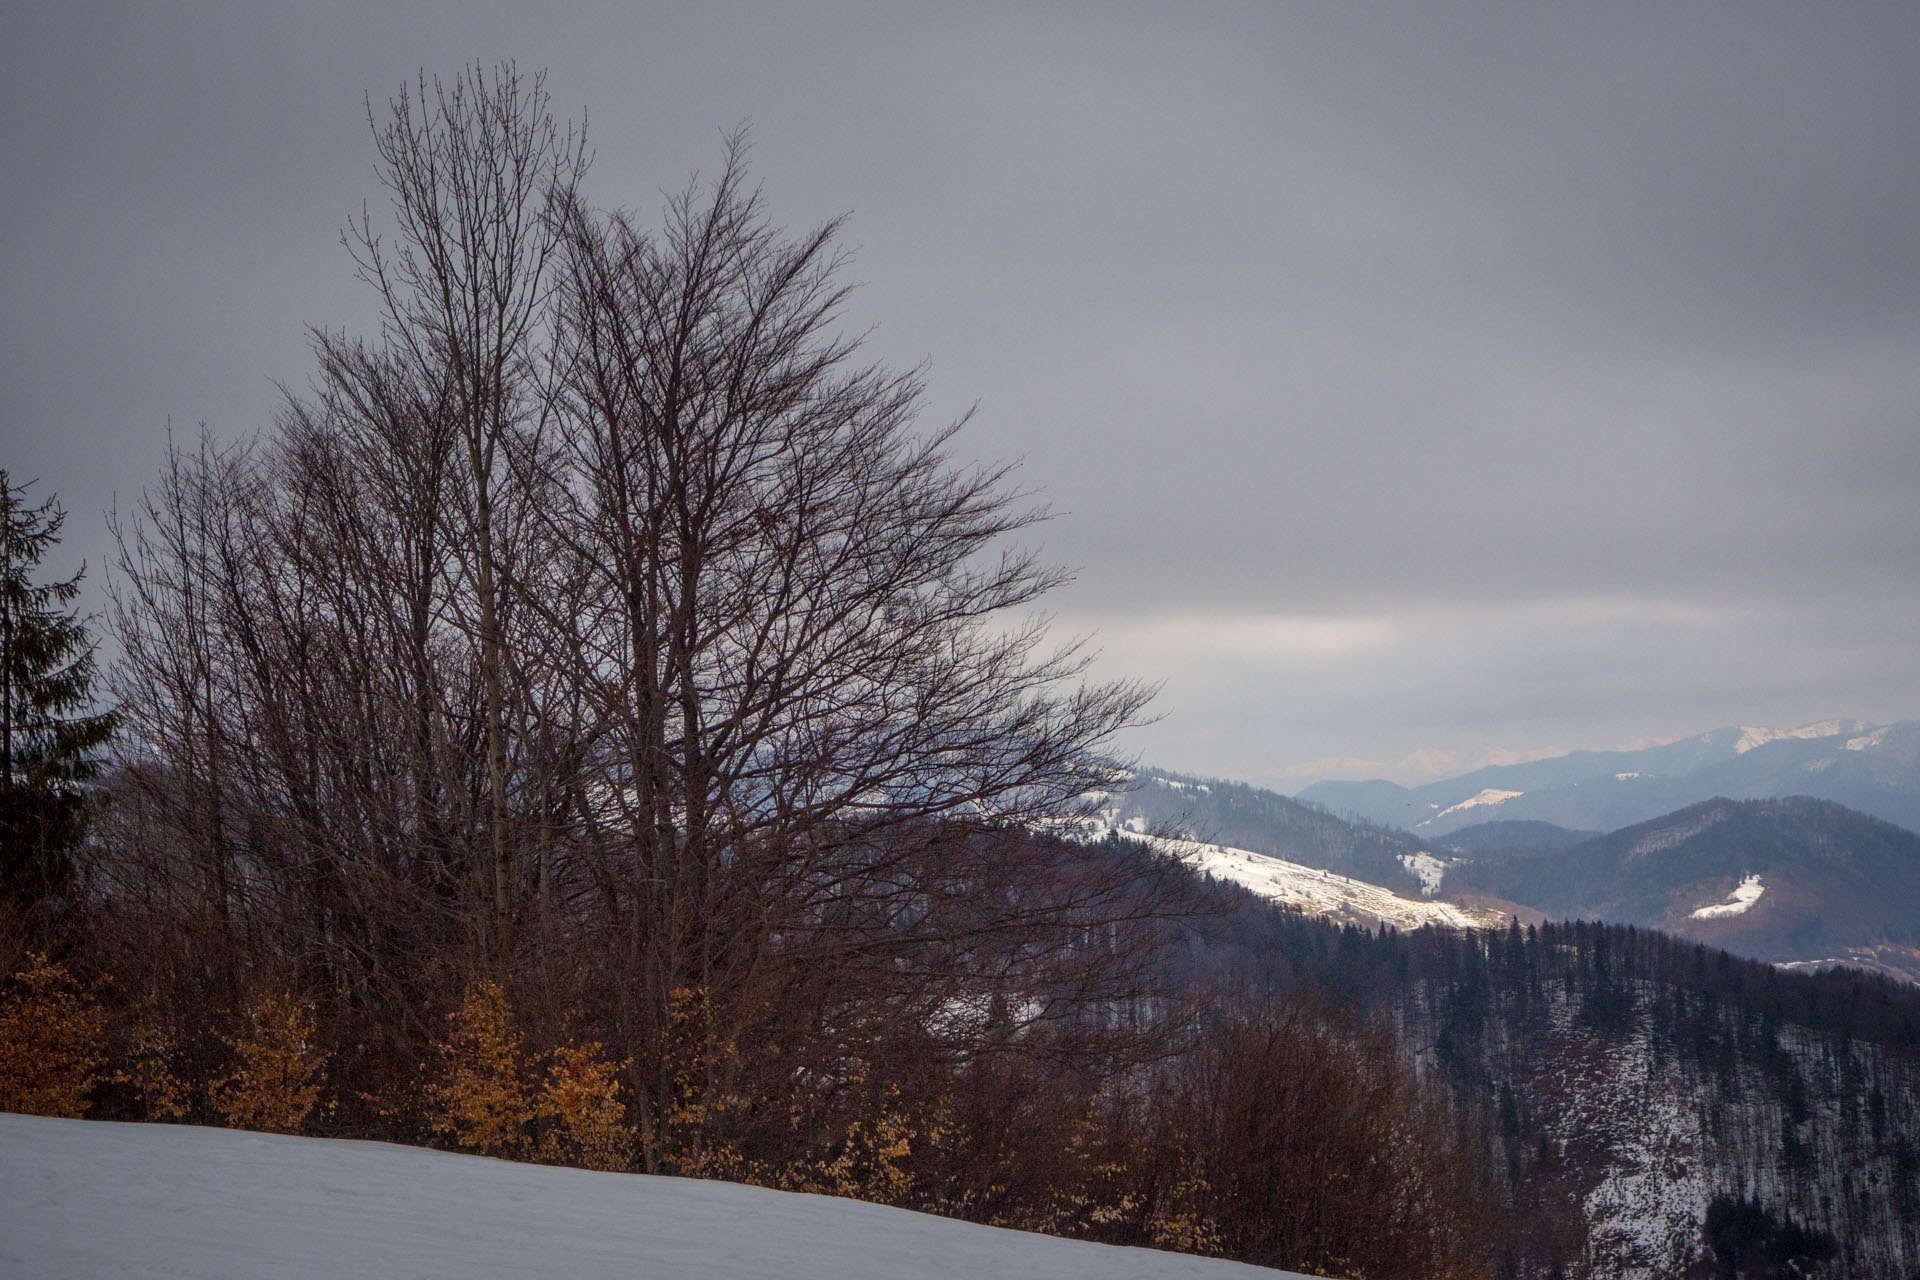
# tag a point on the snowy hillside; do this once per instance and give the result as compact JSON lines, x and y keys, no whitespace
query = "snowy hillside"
{"x":1339,"y":898}
{"x":1291,"y":854}
{"x":85,"y":1198}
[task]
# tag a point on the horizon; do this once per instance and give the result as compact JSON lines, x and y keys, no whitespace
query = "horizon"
{"x":1427,"y":766}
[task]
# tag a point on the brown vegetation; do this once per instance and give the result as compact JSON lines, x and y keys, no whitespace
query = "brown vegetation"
{"x":51,"y":1032}
{"x":277,"y":1071}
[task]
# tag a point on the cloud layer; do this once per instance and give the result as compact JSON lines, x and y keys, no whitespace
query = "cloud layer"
{"x":1460,"y":378}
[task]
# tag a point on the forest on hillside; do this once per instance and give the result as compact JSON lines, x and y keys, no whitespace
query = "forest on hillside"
{"x":1653,"y":1106}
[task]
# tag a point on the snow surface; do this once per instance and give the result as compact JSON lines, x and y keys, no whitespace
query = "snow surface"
{"x":1739,"y":902}
{"x":81,"y":1198}
{"x":1429,"y":870}
{"x":1490,"y":796}
{"x":1751,"y":737}
{"x":1325,"y":893}
{"x":1313,"y":891}
{"x":1643,"y":1217}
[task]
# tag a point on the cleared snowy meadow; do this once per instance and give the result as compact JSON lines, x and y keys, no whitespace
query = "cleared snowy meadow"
{"x":83,"y":1198}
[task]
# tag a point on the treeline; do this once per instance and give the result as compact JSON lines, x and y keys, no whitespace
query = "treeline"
{"x":596,"y":724}
{"x":1276,"y":1129}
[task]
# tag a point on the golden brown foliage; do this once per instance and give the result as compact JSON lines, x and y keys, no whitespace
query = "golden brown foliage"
{"x":483,"y":1094}
{"x":867,"y":1161}
{"x":277,"y":1072}
{"x":580,"y":1099}
{"x":51,"y":1030}
{"x":480,"y":1097}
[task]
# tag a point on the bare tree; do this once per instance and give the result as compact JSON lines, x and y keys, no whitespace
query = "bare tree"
{"x":610,"y":626}
{"x":473,"y":171}
{"x":812,"y":693}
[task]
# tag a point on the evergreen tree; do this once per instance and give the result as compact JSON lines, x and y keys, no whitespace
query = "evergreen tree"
{"x":48,"y":739}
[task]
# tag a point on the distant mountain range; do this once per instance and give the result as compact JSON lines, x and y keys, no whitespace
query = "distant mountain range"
{"x":1872,"y":768}
{"x":1794,"y":881}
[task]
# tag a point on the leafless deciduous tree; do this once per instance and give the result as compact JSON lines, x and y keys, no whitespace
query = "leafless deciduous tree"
{"x":611,"y":625}
{"x":475,"y":172}
{"x":805,"y":707}
{"x":606,"y":656}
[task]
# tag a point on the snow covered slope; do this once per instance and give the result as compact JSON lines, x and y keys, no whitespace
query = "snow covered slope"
{"x":1323,"y":893}
{"x":85,"y":1198}
{"x":1293,"y":854}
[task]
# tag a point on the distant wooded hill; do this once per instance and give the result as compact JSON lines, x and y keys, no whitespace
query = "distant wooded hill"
{"x":1793,"y":880}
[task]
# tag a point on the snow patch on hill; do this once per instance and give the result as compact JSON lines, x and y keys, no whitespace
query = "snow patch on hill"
{"x":82,"y":1198}
{"x":1315,"y":891}
{"x":1751,"y":737}
{"x":1489,"y":796}
{"x":1739,"y":902}
{"x":1429,"y":870}
{"x":1643,"y":1218}
{"x":1325,"y":893}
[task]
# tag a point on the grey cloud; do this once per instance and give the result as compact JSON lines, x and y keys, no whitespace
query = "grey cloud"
{"x":1324,"y":310}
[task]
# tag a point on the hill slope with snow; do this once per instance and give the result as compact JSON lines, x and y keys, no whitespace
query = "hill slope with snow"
{"x":1290,"y":853}
{"x":83,"y":1198}
{"x":1327,"y":894}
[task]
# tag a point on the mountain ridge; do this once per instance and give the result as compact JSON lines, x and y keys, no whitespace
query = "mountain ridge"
{"x":1873,"y":768}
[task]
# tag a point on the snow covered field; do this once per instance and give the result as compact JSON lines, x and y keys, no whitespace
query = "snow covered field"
{"x":83,"y":1198}
{"x":1316,"y":892}
{"x":1326,"y":893}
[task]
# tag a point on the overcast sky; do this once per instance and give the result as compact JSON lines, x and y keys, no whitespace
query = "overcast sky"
{"x":1413,"y":382}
